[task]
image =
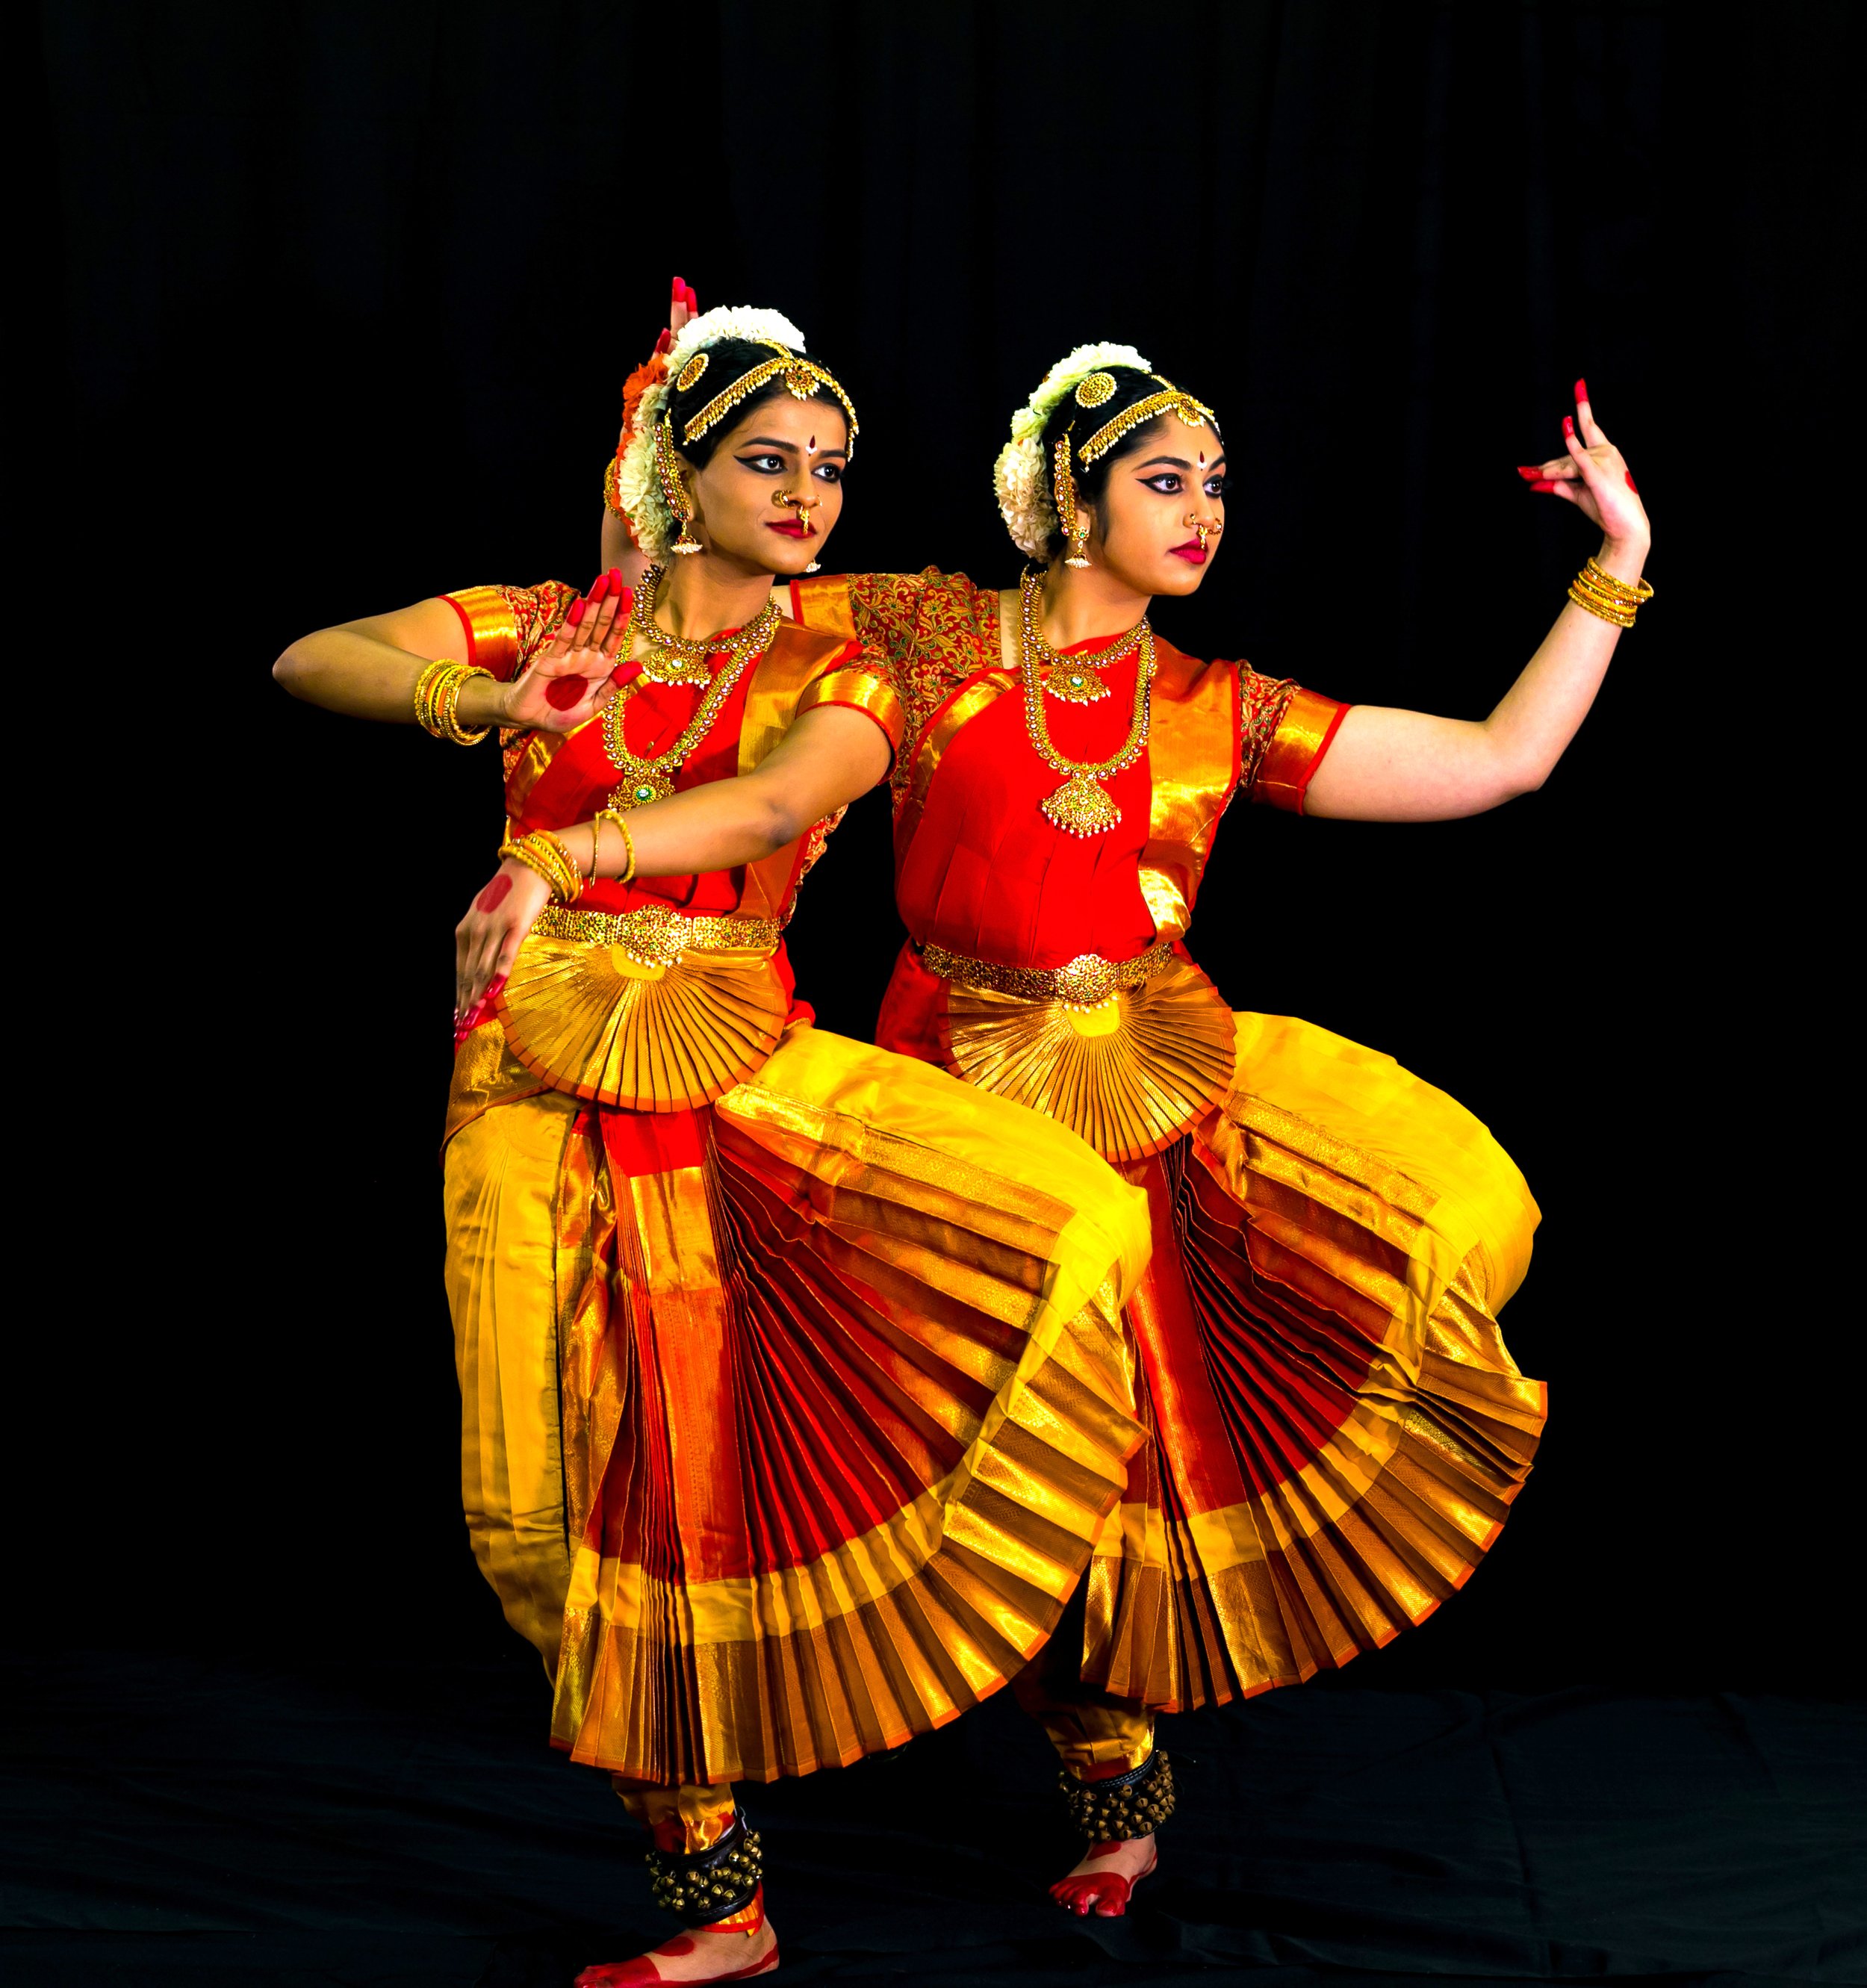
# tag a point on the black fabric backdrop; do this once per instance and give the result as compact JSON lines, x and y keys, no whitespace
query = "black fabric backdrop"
{"x":337,"y":300}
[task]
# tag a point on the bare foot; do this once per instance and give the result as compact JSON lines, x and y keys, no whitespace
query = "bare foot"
{"x":696,"y":1955}
{"x":1104,"y":1878}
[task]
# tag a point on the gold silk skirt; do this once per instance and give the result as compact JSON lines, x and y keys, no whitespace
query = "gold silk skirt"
{"x":1336,"y":1429}
{"x":789,"y":1421}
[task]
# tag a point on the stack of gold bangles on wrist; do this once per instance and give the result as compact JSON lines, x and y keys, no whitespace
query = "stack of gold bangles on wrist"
{"x":545,"y":855}
{"x":437,"y":695}
{"x":1598,"y":590}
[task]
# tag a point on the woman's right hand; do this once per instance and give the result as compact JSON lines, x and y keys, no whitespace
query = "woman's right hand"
{"x":487,"y":941}
{"x":568,"y":682}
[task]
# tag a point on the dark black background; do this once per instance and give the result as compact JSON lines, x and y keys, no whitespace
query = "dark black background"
{"x":336,"y":300}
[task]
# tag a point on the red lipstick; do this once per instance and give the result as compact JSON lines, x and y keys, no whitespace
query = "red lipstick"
{"x":1192,"y":552}
{"x":791,"y":530}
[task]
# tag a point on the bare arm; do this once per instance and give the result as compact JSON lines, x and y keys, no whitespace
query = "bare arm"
{"x":828,"y":758}
{"x":1408,"y":765}
{"x":368,"y":668}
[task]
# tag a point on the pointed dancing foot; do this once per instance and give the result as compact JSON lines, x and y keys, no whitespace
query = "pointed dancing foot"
{"x":1104,"y":1880}
{"x":694,"y":1957}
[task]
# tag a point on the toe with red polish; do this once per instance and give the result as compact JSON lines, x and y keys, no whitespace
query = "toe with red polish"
{"x":1102,"y":1892}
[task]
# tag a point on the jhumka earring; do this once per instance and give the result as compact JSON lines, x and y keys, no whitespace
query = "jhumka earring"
{"x":1063,"y":487}
{"x":668,"y":469}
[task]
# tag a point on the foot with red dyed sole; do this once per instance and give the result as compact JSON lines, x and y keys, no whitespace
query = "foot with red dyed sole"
{"x":694,"y":1957}
{"x":1105,"y":1879}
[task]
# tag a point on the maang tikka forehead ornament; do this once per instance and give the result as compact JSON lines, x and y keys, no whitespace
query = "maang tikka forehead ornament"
{"x":802,"y":377}
{"x":1193,"y":414}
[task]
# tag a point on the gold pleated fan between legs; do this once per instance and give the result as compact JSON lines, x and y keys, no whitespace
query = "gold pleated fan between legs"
{"x":1128,"y":1075}
{"x":593,"y":1020}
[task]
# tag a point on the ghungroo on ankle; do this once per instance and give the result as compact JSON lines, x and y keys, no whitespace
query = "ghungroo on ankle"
{"x":701,"y":1886}
{"x":1124,"y":1805}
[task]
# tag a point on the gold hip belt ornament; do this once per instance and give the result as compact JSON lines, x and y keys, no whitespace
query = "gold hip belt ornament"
{"x":658,"y":934}
{"x":1086,"y":982}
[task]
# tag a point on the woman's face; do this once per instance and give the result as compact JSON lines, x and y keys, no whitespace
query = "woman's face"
{"x":1165,"y":486}
{"x":779,"y":466}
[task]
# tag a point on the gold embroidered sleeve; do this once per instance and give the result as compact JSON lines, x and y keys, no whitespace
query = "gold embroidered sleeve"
{"x":1295,"y":729}
{"x":504,"y":626}
{"x":539,"y":610}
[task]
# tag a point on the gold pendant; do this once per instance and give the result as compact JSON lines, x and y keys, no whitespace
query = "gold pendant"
{"x":1081,"y":807}
{"x":1075,"y":683}
{"x":665,"y":666}
{"x":649,"y":784}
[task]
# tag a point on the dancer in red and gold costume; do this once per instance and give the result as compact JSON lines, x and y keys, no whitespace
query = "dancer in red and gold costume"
{"x":1336,"y":1430}
{"x":793,"y":1384}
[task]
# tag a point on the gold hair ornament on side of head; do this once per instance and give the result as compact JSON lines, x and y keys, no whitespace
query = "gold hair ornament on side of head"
{"x":802,"y":378}
{"x":1194,"y":414}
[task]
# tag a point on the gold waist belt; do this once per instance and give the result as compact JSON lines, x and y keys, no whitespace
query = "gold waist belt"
{"x":1087,"y":981}
{"x":658,"y":934}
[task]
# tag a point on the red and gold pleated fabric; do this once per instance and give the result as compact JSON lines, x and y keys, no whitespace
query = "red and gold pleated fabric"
{"x":791,"y":1421}
{"x":1336,"y":1429}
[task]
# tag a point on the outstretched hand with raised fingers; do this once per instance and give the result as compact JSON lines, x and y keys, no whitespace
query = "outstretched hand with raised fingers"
{"x":568,"y":682}
{"x":1593,"y":476}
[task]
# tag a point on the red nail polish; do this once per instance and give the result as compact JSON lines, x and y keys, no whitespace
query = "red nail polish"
{"x":679,"y":288}
{"x":693,"y":299}
{"x":1631,"y":484}
{"x":1568,"y":424}
{"x":574,"y":613}
{"x":1530,"y":469}
{"x":1581,"y":390}
{"x":1544,"y":483}
{"x":666,"y":339}
{"x":615,"y":579}
{"x":601,"y":588}
{"x":625,"y":599}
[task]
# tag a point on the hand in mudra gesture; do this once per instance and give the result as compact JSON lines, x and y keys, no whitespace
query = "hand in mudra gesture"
{"x":1594,"y":477}
{"x":568,"y":680}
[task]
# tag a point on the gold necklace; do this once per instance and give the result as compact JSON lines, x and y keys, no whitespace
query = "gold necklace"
{"x":1077,"y":679}
{"x":653,"y":779}
{"x":672,"y":659}
{"x":1082,"y":805}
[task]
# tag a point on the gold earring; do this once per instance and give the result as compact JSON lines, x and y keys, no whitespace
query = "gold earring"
{"x":673,"y":490}
{"x":1063,"y":488}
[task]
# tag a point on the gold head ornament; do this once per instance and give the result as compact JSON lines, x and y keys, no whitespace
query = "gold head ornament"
{"x":1193,"y":414}
{"x":802,"y":377}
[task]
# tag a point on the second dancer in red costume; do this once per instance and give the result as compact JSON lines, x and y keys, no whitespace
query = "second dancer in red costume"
{"x":1336,"y":1429}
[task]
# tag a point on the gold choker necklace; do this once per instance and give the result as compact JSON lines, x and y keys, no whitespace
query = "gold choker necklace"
{"x":653,"y":779}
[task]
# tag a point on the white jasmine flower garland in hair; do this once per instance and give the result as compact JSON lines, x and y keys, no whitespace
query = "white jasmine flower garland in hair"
{"x":639,"y":489}
{"x":1021,"y":476}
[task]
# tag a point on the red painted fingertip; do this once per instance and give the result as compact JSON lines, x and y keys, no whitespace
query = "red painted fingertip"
{"x":676,"y":293}
{"x":493,"y":993}
{"x":1544,"y":483}
{"x":666,"y":339}
{"x":615,"y":581}
{"x":1631,"y":484}
{"x":1530,"y":469}
{"x":1568,"y":424}
{"x":1581,"y":390}
{"x":625,"y":596}
{"x":574,"y":613}
{"x":693,"y":299}
{"x":601,"y":589}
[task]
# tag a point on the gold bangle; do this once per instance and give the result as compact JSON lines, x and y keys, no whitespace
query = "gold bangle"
{"x":616,"y":816}
{"x":424,"y":694}
{"x":1636,"y":594}
{"x":547,"y":858}
{"x":596,"y":844}
{"x":447,"y":698}
{"x":1601,"y":610}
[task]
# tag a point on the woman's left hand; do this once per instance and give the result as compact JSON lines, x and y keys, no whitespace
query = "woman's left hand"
{"x":1594,"y":477}
{"x":487,"y":940}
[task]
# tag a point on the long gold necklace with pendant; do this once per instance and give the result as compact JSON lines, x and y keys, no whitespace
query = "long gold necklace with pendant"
{"x":653,"y":779}
{"x":1082,"y":805}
